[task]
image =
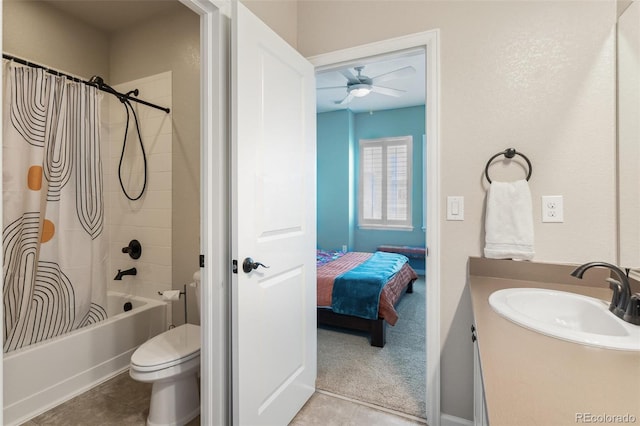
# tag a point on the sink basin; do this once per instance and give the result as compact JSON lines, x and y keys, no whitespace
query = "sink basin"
{"x":567,"y":316}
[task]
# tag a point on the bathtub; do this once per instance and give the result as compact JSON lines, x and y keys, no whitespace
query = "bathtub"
{"x":41,"y":376}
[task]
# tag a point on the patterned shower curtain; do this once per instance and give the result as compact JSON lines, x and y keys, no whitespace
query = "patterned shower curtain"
{"x":54,"y":247}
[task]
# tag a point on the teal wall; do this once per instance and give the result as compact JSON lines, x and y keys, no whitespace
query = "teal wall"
{"x":335,"y":180}
{"x":338,"y":136}
{"x":397,"y":122}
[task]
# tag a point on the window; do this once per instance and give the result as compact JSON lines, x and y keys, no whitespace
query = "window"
{"x":384,"y":193}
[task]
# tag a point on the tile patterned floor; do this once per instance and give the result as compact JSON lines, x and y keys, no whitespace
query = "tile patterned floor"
{"x":124,"y":402}
{"x":120,"y":401}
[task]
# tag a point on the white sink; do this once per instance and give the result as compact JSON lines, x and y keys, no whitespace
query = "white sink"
{"x":566,"y":316}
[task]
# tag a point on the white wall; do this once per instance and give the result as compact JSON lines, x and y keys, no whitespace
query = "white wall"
{"x":535,"y":75}
{"x":38,"y":32}
{"x":171,"y":41}
{"x":148,"y":219}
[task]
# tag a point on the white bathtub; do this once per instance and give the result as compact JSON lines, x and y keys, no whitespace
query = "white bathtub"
{"x":41,"y":376}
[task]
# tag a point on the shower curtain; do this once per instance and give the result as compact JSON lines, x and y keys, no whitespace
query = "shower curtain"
{"x":54,"y":247}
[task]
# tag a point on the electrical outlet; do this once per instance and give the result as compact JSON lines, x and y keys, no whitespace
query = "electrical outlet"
{"x":552,"y":208}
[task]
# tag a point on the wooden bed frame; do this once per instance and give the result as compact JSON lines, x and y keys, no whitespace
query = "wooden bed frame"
{"x":376,"y":328}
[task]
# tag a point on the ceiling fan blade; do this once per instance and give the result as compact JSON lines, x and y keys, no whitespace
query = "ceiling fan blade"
{"x":333,"y":87}
{"x":387,"y":91}
{"x":349,"y":76}
{"x":346,"y":100}
{"x":399,"y":73}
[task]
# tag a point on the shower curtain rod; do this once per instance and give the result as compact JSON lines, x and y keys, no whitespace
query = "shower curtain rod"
{"x":106,"y":89}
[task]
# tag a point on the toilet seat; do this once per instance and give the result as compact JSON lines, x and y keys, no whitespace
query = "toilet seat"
{"x":173,"y":347}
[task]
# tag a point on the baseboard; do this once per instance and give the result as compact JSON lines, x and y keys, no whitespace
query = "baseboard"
{"x":447,"y":420}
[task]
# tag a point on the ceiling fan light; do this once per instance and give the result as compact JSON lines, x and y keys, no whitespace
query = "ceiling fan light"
{"x":360,"y":90}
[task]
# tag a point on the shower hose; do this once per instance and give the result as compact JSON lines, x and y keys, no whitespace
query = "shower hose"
{"x":127,"y":106}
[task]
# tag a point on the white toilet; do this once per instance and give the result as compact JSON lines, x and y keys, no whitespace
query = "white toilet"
{"x":171,"y":361}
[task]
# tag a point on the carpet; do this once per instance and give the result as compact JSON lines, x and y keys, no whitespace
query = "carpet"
{"x":392,"y":377}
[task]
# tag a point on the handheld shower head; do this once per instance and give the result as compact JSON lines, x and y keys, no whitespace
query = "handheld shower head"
{"x":97,"y":80}
{"x":99,"y":83}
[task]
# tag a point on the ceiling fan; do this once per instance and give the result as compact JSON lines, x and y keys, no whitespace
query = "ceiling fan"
{"x":360,"y":85}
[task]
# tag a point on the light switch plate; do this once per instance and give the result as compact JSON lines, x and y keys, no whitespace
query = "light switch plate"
{"x":455,"y":208}
{"x":552,"y":208}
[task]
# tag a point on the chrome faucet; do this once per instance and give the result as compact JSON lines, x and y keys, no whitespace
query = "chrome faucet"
{"x":624,"y":305}
{"x":120,"y":273}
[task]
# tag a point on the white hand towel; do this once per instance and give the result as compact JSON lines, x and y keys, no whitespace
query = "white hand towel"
{"x":509,"y":221}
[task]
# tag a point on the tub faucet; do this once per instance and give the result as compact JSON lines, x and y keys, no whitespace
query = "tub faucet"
{"x":621,"y":287}
{"x":120,"y":273}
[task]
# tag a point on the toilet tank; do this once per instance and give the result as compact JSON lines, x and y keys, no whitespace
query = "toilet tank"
{"x":196,"y":285}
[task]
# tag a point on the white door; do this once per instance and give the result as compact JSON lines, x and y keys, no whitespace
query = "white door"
{"x":274,"y":223}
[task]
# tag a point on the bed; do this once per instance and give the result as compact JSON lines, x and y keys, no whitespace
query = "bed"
{"x":359,"y":291}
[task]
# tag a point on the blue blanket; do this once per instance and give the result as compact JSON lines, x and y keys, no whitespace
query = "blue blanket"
{"x":357,"y":292}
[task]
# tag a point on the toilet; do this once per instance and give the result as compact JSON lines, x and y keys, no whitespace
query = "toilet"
{"x":171,"y":362}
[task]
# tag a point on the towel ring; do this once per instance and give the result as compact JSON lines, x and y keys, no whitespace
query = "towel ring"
{"x":508,"y":153}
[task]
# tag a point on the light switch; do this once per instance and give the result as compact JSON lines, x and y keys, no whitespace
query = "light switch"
{"x":455,"y":208}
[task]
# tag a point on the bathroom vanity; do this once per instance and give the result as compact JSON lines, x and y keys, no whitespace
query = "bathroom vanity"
{"x":526,"y":378}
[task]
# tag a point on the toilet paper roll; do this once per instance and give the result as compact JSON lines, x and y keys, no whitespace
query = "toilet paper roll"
{"x":171,"y":295}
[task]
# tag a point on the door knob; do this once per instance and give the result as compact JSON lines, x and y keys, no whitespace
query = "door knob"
{"x":249,"y":265}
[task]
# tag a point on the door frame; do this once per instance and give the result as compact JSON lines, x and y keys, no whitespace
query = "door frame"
{"x":215,"y":243}
{"x":430,"y":42}
{"x":214,"y":218}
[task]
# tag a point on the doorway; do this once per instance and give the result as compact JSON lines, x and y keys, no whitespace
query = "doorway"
{"x":390,"y":112}
{"x":188,"y":133}
{"x":427,"y":41}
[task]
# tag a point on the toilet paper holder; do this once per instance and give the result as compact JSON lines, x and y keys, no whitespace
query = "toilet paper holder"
{"x":183,"y":292}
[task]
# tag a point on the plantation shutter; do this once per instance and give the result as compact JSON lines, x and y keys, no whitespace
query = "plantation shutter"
{"x":385,"y":182}
{"x":397,"y":179}
{"x":372,"y":173}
